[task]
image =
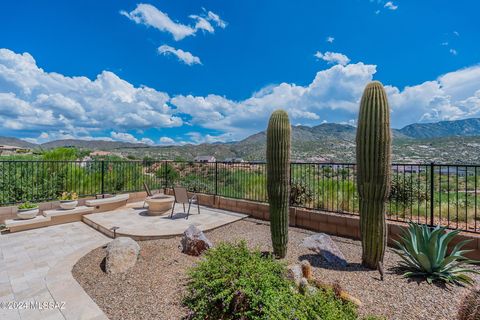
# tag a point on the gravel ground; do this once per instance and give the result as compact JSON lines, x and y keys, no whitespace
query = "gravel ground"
{"x":153,"y":289}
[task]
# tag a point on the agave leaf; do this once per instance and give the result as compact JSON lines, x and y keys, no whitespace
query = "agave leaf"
{"x":424,"y":262}
{"x":444,"y":241}
{"x":433,"y":248}
{"x":460,"y":245}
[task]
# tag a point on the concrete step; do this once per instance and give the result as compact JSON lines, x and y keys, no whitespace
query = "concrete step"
{"x":39,"y":221}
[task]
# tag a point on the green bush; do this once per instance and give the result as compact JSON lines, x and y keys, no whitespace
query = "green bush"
{"x":233,"y":282}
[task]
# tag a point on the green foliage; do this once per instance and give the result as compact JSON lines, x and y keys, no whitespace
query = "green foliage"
{"x":406,"y":191}
{"x":278,"y":179}
{"x":27,"y":205}
{"x":233,"y":282}
{"x":68,"y":196}
{"x":168,"y":170}
{"x":373,"y":171}
{"x":424,"y":254}
{"x":61,"y":154}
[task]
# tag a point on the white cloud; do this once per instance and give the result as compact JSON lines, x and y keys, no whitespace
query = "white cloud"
{"x":216,"y":18}
{"x":184,"y":56}
{"x":151,"y":16}
{"x":456,"y":33}
{"x":166,"y":141}
{"x":49,"y":106}
{"x":34,"y":100}
{"x":389,"y":5}
{"x":198,"y":138}
{"x":333,"y":57}
{"x":330,"y":39}
{"x":202,"y":24}
{"x":127,"y":137}
{"x":453,"y":51}
{"x":445,"y":43}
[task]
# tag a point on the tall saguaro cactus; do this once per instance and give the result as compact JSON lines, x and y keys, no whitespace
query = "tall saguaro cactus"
{"x":373,"y":171}
{"x":278,"y":179}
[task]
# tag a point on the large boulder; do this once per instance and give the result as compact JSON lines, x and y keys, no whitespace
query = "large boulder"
{"x":194,"y":242}
{"x":122,"y":254}
{"x":322,"y":244}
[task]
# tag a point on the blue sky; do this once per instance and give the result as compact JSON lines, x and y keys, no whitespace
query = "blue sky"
{"x":168,"y":72}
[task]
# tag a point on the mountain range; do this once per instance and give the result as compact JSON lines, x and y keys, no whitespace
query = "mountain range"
{"x":445,"y":141}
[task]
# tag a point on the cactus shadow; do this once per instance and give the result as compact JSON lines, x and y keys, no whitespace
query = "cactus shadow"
{"x":318,"y":261}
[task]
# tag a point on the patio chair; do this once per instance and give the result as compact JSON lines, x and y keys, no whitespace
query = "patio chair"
{"x":181,"y":196}
{"x":148,"y":191}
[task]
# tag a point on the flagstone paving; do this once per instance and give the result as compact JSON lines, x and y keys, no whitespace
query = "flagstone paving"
{"x":35,"y":266}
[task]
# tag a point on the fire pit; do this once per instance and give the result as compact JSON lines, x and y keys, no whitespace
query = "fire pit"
{"x":159,"y":205}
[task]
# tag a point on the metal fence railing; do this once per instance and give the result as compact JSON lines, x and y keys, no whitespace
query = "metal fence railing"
{"x":426,"y":193}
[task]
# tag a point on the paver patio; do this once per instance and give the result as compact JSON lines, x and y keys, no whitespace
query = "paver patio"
{"x":35,"y":265}
{"x":27,"y":257}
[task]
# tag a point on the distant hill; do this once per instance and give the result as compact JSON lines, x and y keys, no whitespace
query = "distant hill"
{"x":91,"y":144}
{"x":456,"y":128}
{"x":446,"y":141}
{"x":10,"y":141}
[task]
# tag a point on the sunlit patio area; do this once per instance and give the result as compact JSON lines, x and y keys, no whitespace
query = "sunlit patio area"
{"x":134,"y":221}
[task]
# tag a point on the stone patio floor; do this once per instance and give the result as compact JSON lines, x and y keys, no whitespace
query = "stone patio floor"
{"x":30,"y":259}
{"x":134,"y":222}
{"x":36,"y":265}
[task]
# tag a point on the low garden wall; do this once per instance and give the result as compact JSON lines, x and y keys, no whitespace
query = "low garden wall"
{"x":342,"y":225}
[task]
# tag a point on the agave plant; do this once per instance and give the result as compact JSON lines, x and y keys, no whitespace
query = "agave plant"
{"x":424,"y":253}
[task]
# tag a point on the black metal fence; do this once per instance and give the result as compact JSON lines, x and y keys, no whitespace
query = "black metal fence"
{"x":425,"y":193}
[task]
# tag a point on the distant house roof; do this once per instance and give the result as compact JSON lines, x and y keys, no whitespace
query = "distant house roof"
{"x":10,"y":148}
{"x":100,"y":153}
{"x":204,"y":159}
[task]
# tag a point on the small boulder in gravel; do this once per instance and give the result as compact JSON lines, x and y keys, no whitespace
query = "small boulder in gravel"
{"x":322,"y":244}
{"x":194,"y":241}
{"x":122,"y":254}
{"x":294,"y":273}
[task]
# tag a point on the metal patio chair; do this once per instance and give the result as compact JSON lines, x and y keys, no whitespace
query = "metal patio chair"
{"x":181,"y":196}
{"x":148,"y":191}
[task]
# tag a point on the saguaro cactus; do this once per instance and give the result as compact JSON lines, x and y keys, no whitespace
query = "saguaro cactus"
{"x":278,"y":179}
{"x":373,"y":171}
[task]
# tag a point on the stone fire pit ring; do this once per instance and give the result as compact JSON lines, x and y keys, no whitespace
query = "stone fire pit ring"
{"x":159,"y":205}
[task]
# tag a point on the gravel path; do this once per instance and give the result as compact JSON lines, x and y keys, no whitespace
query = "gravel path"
{"x":153,"y":288}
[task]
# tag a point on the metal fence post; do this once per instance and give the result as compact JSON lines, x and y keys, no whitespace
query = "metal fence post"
{"x":165,"y":177}
{"x":216,"y":178}
{"x":103,"y":178}
{"x":432,"y":186}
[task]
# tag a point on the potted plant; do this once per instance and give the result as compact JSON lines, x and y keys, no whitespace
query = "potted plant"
{"x":68,"y":200}
{"x":27,"y":210}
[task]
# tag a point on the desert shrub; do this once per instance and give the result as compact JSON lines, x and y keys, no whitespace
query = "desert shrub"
{"x":233,"y":282}
{"x":300,"y":193}
{"x":406,"y":191}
